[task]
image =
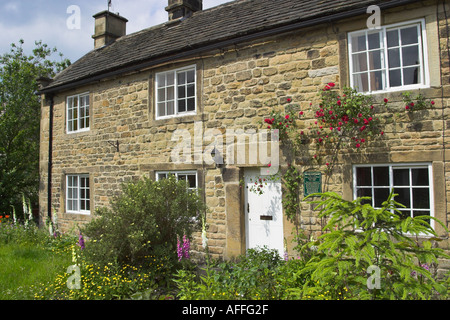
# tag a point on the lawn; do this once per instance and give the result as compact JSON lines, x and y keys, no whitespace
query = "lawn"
{"x":27,"y":265}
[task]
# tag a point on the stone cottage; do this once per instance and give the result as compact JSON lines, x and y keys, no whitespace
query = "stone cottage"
{"x":188,"y":97}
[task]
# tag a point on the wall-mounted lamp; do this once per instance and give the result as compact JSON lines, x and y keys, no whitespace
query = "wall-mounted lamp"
{"x":217,"y":157}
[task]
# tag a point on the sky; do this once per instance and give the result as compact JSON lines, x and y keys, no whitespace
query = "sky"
{"x":55,"y":21}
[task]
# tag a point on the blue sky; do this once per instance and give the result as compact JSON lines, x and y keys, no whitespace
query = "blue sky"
{"x":46,"y":20}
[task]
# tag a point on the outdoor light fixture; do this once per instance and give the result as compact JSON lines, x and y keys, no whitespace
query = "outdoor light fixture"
{"x":217,"y":157}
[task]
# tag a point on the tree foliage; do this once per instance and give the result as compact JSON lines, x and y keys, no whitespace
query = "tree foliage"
{"x":19,"y":120}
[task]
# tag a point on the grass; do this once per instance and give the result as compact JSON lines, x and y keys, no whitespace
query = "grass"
{"x":25,"y":265}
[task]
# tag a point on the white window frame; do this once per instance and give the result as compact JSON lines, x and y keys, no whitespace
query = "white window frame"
{"x":424,"y":80}
{"x":78,"y":198}
{"x":78,"y":118}
{"x":391,"y":182}
{"x":177,"y":173}
{"x":175,"y":97}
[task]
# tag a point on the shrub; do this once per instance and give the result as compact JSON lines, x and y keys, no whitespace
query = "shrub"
{"x":368,"y":253}
{"x":145,"y":220}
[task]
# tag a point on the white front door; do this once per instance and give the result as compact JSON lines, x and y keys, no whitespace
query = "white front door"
{"x":264,"y":213}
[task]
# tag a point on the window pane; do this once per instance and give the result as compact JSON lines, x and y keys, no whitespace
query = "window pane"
{"x":170,"y":77}
{"x":401,"y":177}
{"x":360,"y":62}
{"x":161,"y":80}
{"x":409,"y":35}
{"x":191,"y":104}
{"x":420,"y":177}
{"x":403,"y":196}
{"x":359,"y":43}
{"x":374,"y":40}
{"x":364,"y":192}
{"x":181,"y":105}
{"x":404,"y":214}
{"x":410,"y":75}
{"x":181,"y":78}
{"x":161,"y":95}
{"x":170,"y":108}
{"x":395,"y":78}
{"x":181,"y":92}
{"x":421,"y":198}
{"x":410,"y":56}
{"x":162,"y":176}
{"x":192,"y":181}
{"x":392,"y":38}
{"x":375,"y":60}
{"x":360,"y":82}
{"x":381,"y":176}
{"x":191,"y":76}
{"x":394,"y":58}
{"x":170,"y":93}
{"x":363,"y":176}
{"x":376,"y":80}
{"x":191,"y":90}
{"x":380,"y":195}
{"x":422,"y":213}
{"x":161,"y":109}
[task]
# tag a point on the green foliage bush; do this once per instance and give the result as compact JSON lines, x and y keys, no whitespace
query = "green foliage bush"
{"x":144,"y":220}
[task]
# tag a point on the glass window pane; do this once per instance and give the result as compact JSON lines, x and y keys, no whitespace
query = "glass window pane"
{"x":191,"y":76}
{"x":161,"y":95}
{"x":375,"y":60}
{"x":394,"y":58}
{"x":380,"y":196}
{"x":420,"y":177}
{"x":410,"y":56}
{"x":421,"y":198}
{"x":364,"y":192}
{"x":161,"y":109}
{"x":192,"y":181}
{"x":422,"y":213}
{"x":358,"y":43}
{"x":170,"y":93}
{"x":191,"y":90}
{"x":381,"y":176}
{"x":403,"y":196}
{"x":162,"y":176}
{"x":410,"y":75}
{"x":191,"y":104}
{"x":360,"y":62}
{"x":170,"y":79}
{"x":181,"y":78}
{"x":409,"y":35}
{"x":376,"y":80}
{"x":374,"y":40}
{"x":360,"y":82}
{"x":181,"y":105}
{"x":161,"y":80}
{"x":363,"y":176}
{"x":170,"y":108}
{"x":404,"y":214}
{"x":401,"y":177}
{"x":181,"y":92}
{"x":392,"y":38}
{"x":395,"y":78}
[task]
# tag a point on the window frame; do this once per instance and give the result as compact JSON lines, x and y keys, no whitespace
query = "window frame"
{"x":79,"y":118}
{"x":424,"y":80}
{"x":175,"y":97}
{"x":391,"y":186}
{"x":78,"y":199}
{"x":177,"y":173}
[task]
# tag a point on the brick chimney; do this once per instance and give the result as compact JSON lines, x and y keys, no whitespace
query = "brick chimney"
{"x":183,"y":8}
{"x":108,"y":27}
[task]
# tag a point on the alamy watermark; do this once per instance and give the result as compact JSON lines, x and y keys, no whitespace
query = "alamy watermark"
{"x":230,"y":147}
{"x":73,"y":22}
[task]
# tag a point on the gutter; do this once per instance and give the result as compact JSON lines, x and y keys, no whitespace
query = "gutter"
{"x":50,"y":158}
{"x":220,"y":44}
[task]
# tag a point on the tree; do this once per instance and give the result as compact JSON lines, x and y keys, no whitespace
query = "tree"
{"x":20,"y":119}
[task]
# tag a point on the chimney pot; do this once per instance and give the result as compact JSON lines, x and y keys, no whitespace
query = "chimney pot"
{"x":108,"y":27}
{"x":183,"y":8}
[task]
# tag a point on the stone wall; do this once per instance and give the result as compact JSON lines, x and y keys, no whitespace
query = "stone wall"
{"x":237,"y":88}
